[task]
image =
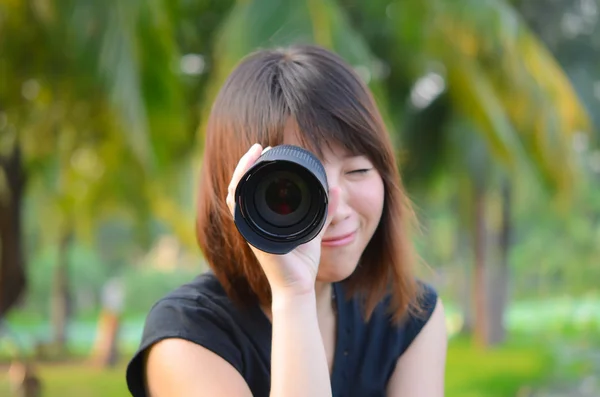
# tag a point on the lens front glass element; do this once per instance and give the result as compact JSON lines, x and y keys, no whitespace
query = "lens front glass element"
{"x":283,"y":196}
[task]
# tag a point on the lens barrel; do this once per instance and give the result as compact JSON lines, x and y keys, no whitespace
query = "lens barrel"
{"x":281,"y":201}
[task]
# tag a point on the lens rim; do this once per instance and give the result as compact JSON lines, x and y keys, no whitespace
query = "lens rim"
{"x":252,"y":210}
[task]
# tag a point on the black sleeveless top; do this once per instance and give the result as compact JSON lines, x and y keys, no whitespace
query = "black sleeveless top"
{"x":365,"y":352}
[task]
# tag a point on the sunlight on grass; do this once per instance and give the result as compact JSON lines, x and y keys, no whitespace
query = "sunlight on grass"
{"x":499,"y":372}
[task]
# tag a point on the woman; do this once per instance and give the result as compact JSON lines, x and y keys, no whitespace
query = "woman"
{"x":341,"y":315}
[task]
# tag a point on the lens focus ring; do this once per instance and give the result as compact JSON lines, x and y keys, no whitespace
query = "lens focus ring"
{"x":302,"y":157}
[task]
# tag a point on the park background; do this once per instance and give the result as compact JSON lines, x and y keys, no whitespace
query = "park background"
{"x":493,"y":106}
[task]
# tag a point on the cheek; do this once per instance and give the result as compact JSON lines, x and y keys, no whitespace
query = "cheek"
{"x":369,"y":200}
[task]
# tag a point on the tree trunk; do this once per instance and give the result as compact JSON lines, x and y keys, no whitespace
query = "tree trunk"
{"x":464,"y":253}
{"x":500,"y":273}
{"x":465,"y":293}
{"x":60,"y":301}
{"x":480,"y":279}
{"x":12,"y":268}
{"x":105,"y":351}
{"x":24,"y":380}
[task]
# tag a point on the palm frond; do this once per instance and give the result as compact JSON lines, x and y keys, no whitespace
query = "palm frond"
{"x":131,"y":47}
{"x":501,"y":77}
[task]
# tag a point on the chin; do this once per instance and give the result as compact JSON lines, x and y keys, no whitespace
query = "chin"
{"x":334,"y":270}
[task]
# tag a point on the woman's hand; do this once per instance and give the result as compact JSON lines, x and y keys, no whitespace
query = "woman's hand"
{"x":293,"y":273}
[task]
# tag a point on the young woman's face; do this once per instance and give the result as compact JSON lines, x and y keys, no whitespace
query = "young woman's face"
{"x":357,"y":216}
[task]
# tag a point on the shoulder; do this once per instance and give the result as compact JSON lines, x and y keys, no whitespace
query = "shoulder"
{"x":375,"y":346}
{"x":203,"y":285}
{"x":402,"y":334}
{"x":194,"y":310}
{"x":420,"y":368}
{"x":420,"y":314}
{"x":177,"y":367}
{"x":199,"y":312}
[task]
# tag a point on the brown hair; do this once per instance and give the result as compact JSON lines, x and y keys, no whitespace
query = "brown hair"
{"x":329,"y":103}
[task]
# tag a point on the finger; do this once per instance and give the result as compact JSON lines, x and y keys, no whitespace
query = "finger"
{"x":230,"y":203}
{"x":265,"y":150}
{"x":245,"y":162}
{"x":243,"y":165}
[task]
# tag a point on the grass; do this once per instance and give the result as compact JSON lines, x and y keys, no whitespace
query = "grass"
{"x":76,"y":379}
{"x":499,"y":372}
{"x":470,"y":373}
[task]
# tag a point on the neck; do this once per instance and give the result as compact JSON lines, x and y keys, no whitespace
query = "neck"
{"x":324,"y":293}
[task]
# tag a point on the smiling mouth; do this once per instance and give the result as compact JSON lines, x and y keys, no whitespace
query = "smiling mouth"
{"x":339,"y":241}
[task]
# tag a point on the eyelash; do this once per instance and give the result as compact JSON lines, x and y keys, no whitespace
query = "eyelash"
{"x":361,"y":171}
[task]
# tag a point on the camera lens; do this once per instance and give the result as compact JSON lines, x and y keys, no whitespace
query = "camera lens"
{"x":281,"y":201}
{"x":283,"y":196}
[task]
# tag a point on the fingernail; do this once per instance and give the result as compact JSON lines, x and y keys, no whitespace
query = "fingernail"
{"x":265,"y":149}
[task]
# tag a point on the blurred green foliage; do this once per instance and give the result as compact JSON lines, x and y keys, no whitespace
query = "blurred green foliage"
{"x":107,"y":102}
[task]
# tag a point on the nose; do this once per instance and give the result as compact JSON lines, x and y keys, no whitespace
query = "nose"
{"x":343,"y":209}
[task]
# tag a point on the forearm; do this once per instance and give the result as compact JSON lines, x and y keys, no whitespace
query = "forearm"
{"x":298,"y":361}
